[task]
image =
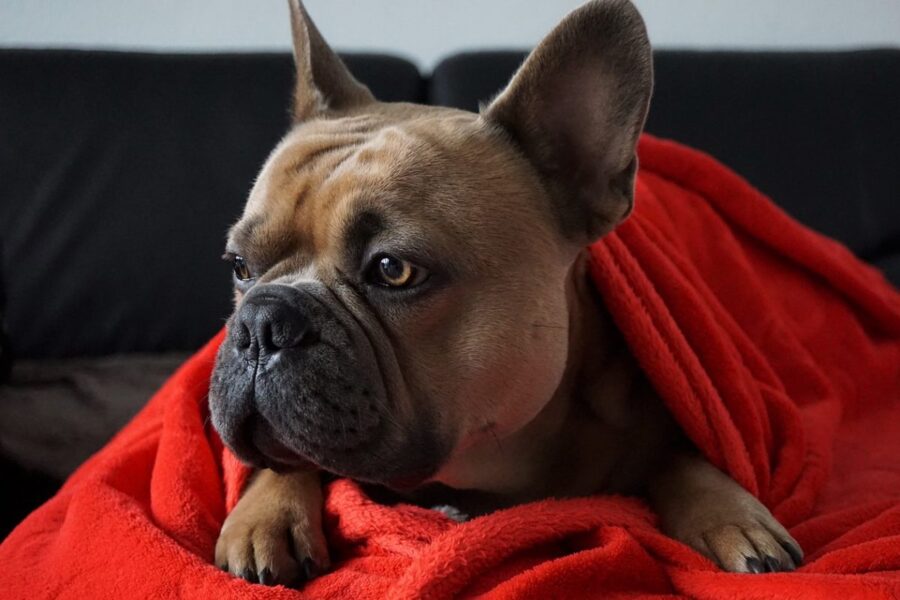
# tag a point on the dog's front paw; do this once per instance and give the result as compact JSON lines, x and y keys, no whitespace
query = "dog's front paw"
{"x":707,"y":510}
{"x":738,"y":533}
{"x":271,"y":546}
{"x":273,"y":539}
{"x":746,"y":544}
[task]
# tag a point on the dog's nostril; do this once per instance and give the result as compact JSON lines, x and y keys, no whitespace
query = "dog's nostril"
{"x":287,"y":333}
{"x":240,"y":333}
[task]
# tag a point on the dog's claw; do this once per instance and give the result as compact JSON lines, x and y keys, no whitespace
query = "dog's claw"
{"x":310,"y":569}
{"x":795,"y":553}
{"x":772,"y":565}
{"x":753,"y":565}
{"x":249,"y":575}
{"x":265,"y":576}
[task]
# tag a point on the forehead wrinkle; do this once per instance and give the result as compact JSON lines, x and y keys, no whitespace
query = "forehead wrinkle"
{"x":359,"y":123}
{"x":375,"y":157}
{"x":309,"y":148}
{"x":321,"y":136}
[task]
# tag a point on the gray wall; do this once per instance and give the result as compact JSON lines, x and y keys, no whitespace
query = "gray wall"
{"x":426,"y":30}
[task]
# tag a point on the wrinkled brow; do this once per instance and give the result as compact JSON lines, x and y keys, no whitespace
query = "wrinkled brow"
{"x":360,"y":231}
{"x":255,"y":239}
{"x":241,"y":236}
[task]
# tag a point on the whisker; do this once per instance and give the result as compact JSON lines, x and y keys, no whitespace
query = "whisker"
{"x":493,"y":433}
{"x":548,"y":326}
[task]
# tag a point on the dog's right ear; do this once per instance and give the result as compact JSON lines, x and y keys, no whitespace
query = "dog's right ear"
{"x":323,"y":82}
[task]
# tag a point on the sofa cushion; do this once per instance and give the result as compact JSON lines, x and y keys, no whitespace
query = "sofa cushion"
{"x":818,"y":132}
{"x":55,"y":413}
{"x":121,"y":173}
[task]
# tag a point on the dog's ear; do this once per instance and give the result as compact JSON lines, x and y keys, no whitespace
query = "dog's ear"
{"x":323,"y":82}
{"x":576,"y":107}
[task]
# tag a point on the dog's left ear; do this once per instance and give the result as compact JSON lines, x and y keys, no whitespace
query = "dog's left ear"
{"x":323,"y":81}
{"x":576,"y":107}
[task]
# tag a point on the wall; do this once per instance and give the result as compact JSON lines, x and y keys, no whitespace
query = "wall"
{"x":426,"y":30}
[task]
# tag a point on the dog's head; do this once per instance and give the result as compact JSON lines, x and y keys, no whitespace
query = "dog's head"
{"x":400,"y":270}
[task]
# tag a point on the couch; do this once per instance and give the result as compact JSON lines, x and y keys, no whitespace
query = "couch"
{"x":122,"y":171}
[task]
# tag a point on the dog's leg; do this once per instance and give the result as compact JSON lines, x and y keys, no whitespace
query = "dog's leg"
{"x":704,"y":508}
{"x":274,"y":534}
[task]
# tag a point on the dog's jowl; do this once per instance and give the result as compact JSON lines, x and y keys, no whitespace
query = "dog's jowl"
{"x":411,"y":292}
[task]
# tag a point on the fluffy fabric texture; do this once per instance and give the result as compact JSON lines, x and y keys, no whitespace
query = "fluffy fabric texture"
{"x":776,"y":350}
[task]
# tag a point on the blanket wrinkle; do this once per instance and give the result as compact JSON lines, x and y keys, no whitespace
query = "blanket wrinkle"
{"x":775,"y":349}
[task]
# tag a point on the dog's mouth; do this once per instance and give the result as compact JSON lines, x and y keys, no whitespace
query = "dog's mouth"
{"x":401,"y":463}
{"x":400,"y":471}
{"x":261,"y":449}
{"x":321,"y":438}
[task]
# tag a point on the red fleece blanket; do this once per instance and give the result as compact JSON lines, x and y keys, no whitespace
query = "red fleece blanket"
{"x":776,"y":350}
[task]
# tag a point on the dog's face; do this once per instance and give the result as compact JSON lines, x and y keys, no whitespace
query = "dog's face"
{"x":400,"y":270}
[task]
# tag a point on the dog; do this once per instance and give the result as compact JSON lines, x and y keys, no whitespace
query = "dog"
{"x":413,"y":310}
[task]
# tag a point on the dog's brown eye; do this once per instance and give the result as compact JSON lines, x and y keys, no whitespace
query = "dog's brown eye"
{"x":241,"y":270}
{"x":390,"y":271}
{"x":395,"y":272}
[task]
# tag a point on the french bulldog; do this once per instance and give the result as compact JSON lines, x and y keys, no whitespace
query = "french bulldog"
{"x":413,"y":310}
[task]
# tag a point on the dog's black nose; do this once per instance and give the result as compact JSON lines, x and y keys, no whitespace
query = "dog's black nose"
{"x":270,"y":319}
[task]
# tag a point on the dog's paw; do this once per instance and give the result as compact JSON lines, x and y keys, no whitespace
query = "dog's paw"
{"x":706,"y":509}
{"x":744,"y":541}
{"x":272,"y":544}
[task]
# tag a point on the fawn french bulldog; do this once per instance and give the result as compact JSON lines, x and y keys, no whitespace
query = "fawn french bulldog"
{"x":413,"y":309}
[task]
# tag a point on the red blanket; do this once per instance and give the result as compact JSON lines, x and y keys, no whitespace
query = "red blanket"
{"x":777,"y":351}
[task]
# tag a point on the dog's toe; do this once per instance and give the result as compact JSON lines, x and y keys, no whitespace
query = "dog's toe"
{"x":273,"y":556}
{"x":235,"y":555}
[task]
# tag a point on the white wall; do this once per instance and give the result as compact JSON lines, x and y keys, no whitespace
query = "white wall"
{"x":426,"y":30}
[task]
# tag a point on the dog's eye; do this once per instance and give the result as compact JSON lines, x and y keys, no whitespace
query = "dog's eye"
{"x":239,"y":265}
{"x":390,"y":271}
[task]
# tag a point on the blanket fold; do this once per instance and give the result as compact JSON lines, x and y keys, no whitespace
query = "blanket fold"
{"x":775,"y":349}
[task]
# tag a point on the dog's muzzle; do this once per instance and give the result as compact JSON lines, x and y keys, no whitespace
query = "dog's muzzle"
{"x":289,"y":385}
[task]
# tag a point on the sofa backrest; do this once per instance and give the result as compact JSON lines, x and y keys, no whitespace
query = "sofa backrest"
{"x":120,"y":175}
{"x":120,"y":172}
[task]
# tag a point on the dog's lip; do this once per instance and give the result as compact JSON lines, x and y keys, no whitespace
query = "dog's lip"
{"x":406,"y":483}
{"x":262,"y":449}
{"x":296,"y":464}
{"x":280,"y":460}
